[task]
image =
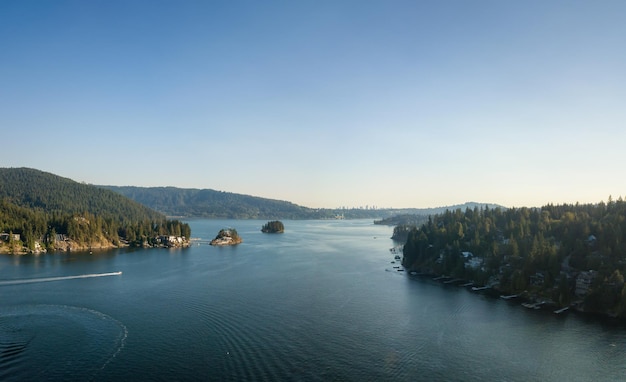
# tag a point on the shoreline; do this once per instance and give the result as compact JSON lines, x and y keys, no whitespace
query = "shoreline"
{"x":525,"y":301}
{"x":73,"y":247}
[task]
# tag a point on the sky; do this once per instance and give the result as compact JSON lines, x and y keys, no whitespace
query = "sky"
{"x":344,"y":103}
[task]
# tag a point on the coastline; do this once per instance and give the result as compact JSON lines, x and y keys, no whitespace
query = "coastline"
{"x":524,"y":299}
{"x":72,"y":246}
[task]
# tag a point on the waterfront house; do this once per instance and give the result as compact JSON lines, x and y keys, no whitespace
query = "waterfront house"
{"x":591,"y":240}
{"x":5,"y":236}
{"x":583,"y":282}
{"x":537,"y":279}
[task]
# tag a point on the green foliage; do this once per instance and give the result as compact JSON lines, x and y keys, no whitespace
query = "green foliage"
{"x":419,"y":216}
{"x":515,"y":244}
{"x":275,"y":226}
{"x":215,"y":204}
{"x":39,"y":206}
{"x":403,"y":220}
{"x":401,"y":232}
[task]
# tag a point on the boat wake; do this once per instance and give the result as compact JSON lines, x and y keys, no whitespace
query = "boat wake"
{"x":48,"y":279}
{"x":53,"y":342}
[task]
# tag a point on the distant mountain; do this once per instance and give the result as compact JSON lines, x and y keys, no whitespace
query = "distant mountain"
{"x":209,"y":203}
{"x":39,"y":206}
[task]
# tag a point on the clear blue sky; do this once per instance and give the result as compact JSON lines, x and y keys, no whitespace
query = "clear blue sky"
{"x":322,"y":103}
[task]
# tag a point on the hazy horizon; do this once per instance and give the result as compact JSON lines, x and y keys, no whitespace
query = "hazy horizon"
{"x":398,"y":104}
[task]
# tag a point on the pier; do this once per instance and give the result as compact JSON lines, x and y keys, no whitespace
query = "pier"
{"x":200,"y":242}
{"x":559,"y":311}
{"x":453,"y":281}
{"x":397,"y":249}
{"x":535,"y":306}
{"x":509,"y":296}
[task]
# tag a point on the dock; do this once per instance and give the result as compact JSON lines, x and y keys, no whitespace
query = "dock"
{"x":509,"y":296}
{"x":535,"y":306}
{"x":469,"y":284}
{"x":475,"y":289}
{"x":452,"y":281}
{"x":397,"y":249}
{"x":559,"y":311}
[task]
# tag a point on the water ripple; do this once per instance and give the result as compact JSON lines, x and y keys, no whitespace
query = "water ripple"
{"x":84,"y":342}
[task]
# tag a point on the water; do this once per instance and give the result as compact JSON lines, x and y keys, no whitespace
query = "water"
{"x":320,"y":302}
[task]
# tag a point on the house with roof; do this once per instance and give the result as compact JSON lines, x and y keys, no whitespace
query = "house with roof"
{"x":583,"y":282}
{"x":7,"y":236}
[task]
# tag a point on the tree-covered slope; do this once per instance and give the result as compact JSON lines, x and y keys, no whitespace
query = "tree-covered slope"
{"x":44,"y":191}
{"x":215,"y":204}
{"x":417,"y":216}
{"x":540,"y":252}
{"x":414,"y":218}
{"x":41,"y":207}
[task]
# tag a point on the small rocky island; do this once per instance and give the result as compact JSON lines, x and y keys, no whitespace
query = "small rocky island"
{"x":275,"y":226}
{"x":227,"y":236}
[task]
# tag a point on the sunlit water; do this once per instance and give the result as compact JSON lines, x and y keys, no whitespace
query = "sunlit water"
{"x":320,"y":302}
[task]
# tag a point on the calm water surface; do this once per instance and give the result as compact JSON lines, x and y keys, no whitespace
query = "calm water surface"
{"x":320,"y":302}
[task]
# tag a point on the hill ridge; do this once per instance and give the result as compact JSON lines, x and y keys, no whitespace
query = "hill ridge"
{"x":45,"y":211}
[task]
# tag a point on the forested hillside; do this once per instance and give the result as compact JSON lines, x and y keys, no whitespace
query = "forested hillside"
{"x":558,"y":253}
{"x":208,"y":203}
{"x":43,"y":208}
{"x":413,"y":218}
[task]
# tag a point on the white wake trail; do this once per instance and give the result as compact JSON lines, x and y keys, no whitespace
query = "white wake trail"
{"x":47,"y":279}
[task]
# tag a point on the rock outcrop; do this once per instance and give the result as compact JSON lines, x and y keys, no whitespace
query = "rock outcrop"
{"x":228,"y":236}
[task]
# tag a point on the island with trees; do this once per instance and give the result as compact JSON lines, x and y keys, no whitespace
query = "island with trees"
{"x":275,"y":226}
{"x":559,"y":255}
{"x":227,"y":236}
{"x":43,"y":212}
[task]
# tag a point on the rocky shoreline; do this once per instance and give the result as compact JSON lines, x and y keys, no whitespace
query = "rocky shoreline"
{"x":68,"y":245}
{"x":225,"y":237}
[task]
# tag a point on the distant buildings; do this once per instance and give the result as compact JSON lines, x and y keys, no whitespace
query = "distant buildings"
{"x":172,"y":241}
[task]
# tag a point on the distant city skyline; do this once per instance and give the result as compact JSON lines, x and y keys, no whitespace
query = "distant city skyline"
{"x":324,"y":104}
